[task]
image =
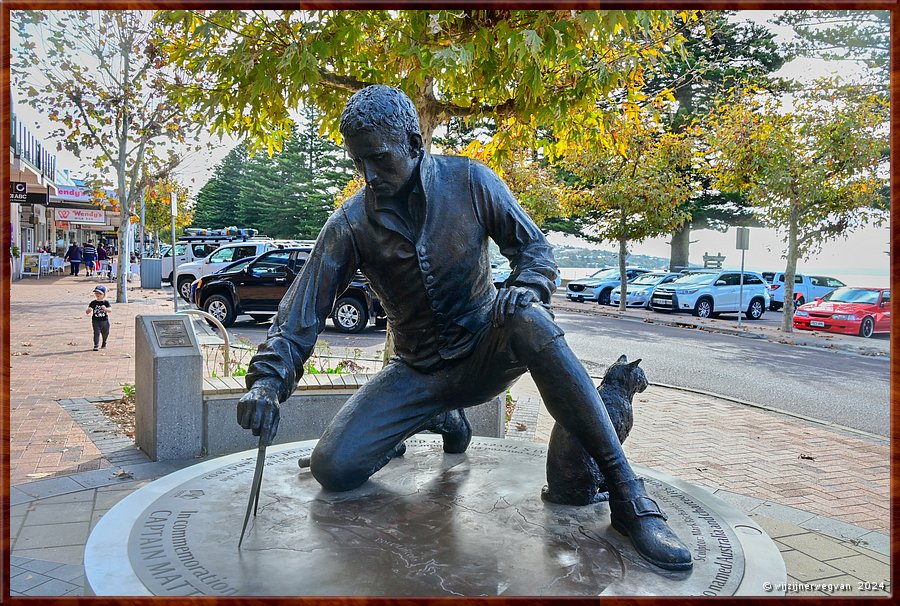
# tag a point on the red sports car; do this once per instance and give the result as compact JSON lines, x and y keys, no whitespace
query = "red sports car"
{"x":849,"y":310}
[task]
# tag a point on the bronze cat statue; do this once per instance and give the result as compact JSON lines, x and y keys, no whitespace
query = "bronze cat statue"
{"x":573,"y":477}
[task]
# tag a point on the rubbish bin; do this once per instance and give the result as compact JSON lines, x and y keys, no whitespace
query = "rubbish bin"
{"x":151,"y":273}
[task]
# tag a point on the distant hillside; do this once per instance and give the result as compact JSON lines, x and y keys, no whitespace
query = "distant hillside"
{"x":571,"y":256}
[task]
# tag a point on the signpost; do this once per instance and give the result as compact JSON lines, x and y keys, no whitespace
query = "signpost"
{"x":743,"y":244}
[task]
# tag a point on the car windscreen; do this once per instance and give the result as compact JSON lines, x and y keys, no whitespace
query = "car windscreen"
{"x":648,"y":278}
{"x":234,"y":267}
{"x":695,"y":279}
{"x":852,"y":295}
{"x":606,"y":274}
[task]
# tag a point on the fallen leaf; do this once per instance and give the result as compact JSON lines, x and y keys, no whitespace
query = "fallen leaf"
{"x":127,"y":355}
{"x":72,"y":343}
{"x":521,"y":426}
{"x":122,"y":474}
{"x":807,"y":457}
{"x":26,"y":344}
{"x":20,"y":353}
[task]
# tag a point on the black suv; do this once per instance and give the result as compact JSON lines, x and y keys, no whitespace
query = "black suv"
{"x":256,"y":286}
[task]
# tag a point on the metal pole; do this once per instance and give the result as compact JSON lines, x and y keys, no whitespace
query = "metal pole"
{"x":741,"y":290}
{"x":174,"y":255}
{"x":143,"y":225}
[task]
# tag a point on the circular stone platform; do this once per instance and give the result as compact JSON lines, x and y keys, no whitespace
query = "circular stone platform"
{"x":428,"y":524}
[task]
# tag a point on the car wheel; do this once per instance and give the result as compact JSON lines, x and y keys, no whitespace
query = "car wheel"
{"x":755,"y":311}
{"x":703,"y":308}
{"x":260,"y":318}
{"x":349,"y":315}
{"x":603,"y":299}
{"x":221,"y":309}
{"x":867,"y":328}
{"x":184,"y":287}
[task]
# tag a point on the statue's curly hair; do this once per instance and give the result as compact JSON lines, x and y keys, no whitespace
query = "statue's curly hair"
{"x":380,"y":108}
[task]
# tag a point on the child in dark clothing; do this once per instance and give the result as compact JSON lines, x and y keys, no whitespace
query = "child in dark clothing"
{"x":99,"y":310}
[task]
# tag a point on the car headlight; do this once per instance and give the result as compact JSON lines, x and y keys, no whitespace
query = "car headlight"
{"x":687,"y":291}
{"x":850,"y":317}
{"x":801,"y":313}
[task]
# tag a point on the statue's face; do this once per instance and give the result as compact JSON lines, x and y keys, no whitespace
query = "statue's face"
{"x":385,"y":162}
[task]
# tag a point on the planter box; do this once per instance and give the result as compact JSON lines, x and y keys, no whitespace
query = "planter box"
{"x":306,"y":413}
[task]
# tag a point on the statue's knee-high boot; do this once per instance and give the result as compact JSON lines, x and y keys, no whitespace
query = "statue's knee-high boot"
{"x":573,"y":401}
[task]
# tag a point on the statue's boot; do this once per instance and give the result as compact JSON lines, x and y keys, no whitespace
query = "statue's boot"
{"x":638,"y":517}
{"x":454,"y":428}
{"x":573,"y":401}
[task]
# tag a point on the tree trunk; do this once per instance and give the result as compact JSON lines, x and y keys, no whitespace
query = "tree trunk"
{"x":623,"y":252}
{"x":623,"y":279}
{"x":681,"y":242}
{"x":124,"y":258}
{"x":787,"y":321}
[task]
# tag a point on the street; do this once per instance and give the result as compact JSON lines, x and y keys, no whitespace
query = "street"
{"x":837,"y":387}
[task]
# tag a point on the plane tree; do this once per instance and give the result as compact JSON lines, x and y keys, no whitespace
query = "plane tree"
{"x":816,"y":171}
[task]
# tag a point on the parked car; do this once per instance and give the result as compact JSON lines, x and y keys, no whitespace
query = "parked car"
{"x":641,"y":289}
{"x":599,"y":285}
{"x":500,"y":271}
{"x":218,"y":259}
{"x":708,"y":294}
{"x":848,"y":310}
{"x":194,"y":248}
{"x":806,"y":288}
{"x":257,"y":287}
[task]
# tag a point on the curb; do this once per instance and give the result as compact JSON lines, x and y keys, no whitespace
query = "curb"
{"x":687,"y":324}
{"x":829,"y":425}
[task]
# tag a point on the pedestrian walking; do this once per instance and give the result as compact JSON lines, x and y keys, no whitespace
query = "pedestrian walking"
{"x":103,"y":260}
{"x":89,"y":254}
{"x":73,"y":256}
{"x":99,"y":310}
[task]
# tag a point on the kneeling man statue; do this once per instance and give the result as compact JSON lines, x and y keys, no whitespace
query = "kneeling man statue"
{"x":419,"y":232}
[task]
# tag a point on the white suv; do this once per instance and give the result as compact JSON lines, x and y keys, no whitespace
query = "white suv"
{"x":806,"y":288}
{"x":221,"y":257}
{"x":711,"y":293}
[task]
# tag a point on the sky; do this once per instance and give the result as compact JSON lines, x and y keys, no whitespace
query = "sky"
{"x":859,"y":259}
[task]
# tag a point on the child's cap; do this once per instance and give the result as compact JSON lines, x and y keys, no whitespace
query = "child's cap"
{"x":100,"y":288}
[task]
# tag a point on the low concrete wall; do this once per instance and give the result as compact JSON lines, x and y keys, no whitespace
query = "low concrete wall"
{"x":306,"y":413}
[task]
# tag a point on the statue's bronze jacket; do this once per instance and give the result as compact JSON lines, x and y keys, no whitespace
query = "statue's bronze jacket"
{"x":437,"y":291}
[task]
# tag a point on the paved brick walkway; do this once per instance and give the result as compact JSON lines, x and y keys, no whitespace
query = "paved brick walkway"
{"x":765,"y":455}
{"x":51,"y":359}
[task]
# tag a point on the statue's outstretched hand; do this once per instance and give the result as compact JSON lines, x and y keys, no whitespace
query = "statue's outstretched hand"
{"x":258,"y":410}
{"x":508,"y":299}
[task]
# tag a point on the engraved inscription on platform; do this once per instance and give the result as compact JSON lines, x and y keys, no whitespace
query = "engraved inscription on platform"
{"x":428,"y":524}
{"x":171,"y":333}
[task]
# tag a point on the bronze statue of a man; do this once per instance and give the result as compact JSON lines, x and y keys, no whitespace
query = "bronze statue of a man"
{"x":419,"y":231}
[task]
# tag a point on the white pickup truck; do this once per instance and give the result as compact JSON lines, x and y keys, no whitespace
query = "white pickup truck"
{"x":806,"y":288}
{"x":194,"y":248}
{"x":216,"y":260}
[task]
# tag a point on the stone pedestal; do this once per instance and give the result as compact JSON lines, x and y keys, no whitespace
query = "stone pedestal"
{"x":428,"y":524}
{"x":168,"y":375}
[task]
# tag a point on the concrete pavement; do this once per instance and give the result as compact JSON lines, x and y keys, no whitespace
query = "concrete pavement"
{"x":821,"y":492}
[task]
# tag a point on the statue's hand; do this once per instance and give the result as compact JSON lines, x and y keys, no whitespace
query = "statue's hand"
{"x":508,"y":299}
{"x":258,"y":410}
